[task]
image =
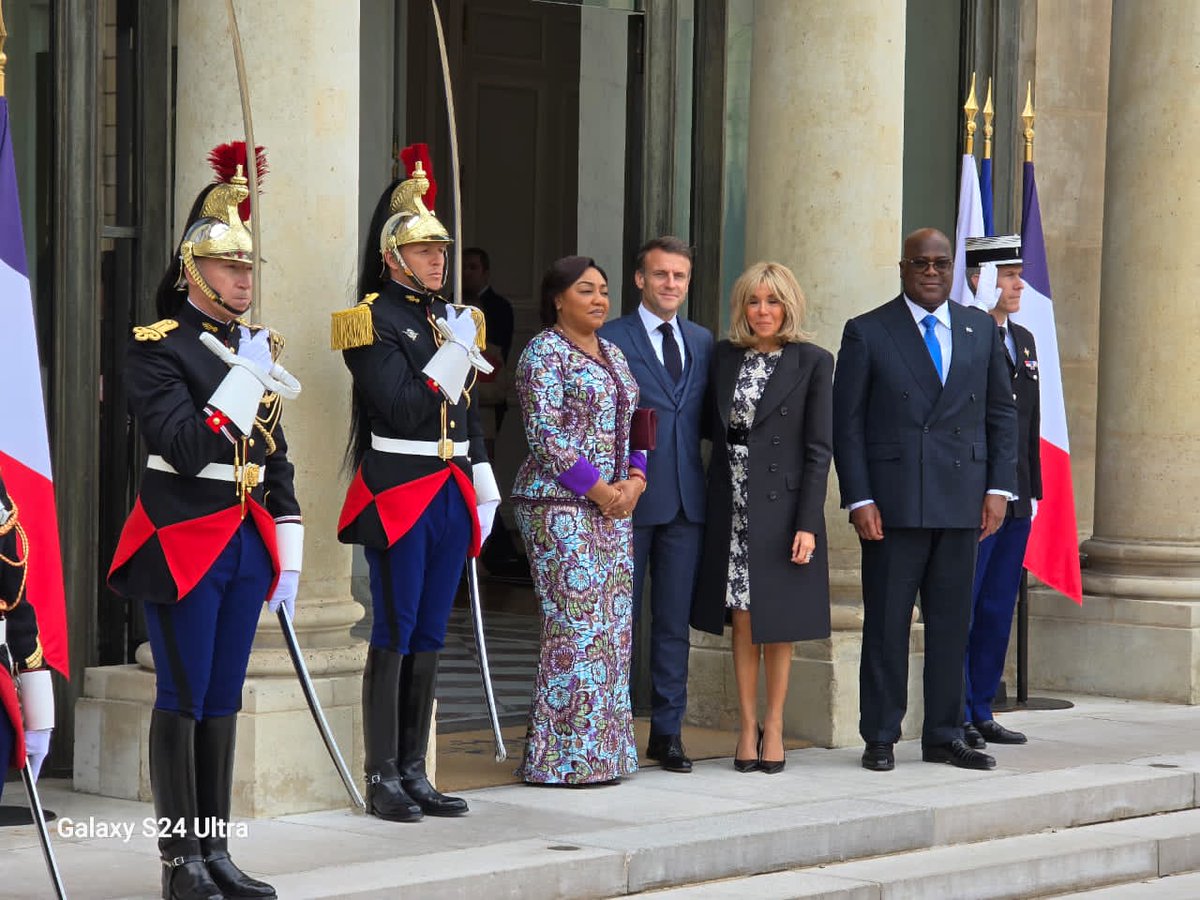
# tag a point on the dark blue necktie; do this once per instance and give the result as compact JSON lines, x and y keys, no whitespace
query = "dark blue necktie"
{"x":931,"y":343}
{"x":672,"y":358}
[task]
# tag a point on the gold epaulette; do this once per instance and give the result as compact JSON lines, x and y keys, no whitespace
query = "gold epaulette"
{"x":155,"y":332}
{"x":353,"y":327}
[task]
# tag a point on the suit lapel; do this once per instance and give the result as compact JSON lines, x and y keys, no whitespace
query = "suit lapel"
{"x":964,"y":338}
{"x":728,"y":360}
{"x":689,"y":362}
{"x":907,"y":338}
{"x":780,"y":384}
{"x":641,"y":341}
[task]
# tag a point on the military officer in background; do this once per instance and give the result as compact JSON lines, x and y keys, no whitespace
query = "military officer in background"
{"x":995,"y":267}
{"x":422,"y":496}
{"x":25,"y":726}
{"x":215,"y":531}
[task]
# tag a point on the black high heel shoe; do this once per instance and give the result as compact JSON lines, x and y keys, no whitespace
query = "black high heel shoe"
{"x":750,"y":765}
{"x":769,"y":766}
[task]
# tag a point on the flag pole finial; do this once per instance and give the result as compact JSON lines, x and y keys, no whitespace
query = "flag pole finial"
{"x":3,"y":55}
{"x":989,"y":113}
{"x":1027,"y":118}
{"x":970,"y":108}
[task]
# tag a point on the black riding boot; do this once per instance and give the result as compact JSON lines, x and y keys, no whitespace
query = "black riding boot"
{"x":418,"y":681}
{"x":214,"y":789}
{"x":173,"y":782}
{"x":381,"y":685}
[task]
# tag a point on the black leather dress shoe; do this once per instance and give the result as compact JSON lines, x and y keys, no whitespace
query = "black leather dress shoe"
{"x":667,"y":749}
{"x":973,"y":738}
{"x":957,"y":753}
{"x":998,"y":734}
{"x":879,"y":757}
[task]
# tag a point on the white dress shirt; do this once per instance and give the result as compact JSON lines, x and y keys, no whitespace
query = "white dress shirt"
{"x":941,"y":331}
{"x":651,"y":323}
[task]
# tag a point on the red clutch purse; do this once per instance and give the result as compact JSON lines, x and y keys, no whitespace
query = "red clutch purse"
{"x":643,"y":431}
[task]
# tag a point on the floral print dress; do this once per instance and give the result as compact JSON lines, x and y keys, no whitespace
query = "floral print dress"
{"x":755,"y":372}
{"x":577,"y":407}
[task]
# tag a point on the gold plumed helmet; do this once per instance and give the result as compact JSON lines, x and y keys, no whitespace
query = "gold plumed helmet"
{"x":222,"y":229}
{"x":411,"y":221}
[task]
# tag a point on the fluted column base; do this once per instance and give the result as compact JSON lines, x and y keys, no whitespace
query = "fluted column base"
{"x":1137,"y":634}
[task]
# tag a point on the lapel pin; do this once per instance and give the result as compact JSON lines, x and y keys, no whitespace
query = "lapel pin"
{"x":412,"y":335}
{"x":1027,"y":351}
{"x":970,"y":330}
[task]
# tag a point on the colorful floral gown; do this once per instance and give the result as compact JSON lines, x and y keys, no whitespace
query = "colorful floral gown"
{"x":577,"y":412}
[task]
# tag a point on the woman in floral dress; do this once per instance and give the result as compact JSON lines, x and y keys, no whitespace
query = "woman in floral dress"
{"x":573,"y":497}
{"x":765,"y":549}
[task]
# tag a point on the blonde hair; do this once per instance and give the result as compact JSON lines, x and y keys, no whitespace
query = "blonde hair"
{"x":783,"y":286}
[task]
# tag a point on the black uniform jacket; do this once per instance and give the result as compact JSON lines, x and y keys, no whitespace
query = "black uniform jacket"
{"x":15,"y":608}
{"x":924,"y":452}
{"x":180,"y":523}
{"x":1027,"y":394}
{"x":390,"y":491}
{"x":791,"y":446}
{"x":20,"y":621}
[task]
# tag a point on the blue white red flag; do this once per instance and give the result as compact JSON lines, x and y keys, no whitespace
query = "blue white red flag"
{"x":24,"y":443}
{"x":1053,"y":551}
{"x":969,"y":224}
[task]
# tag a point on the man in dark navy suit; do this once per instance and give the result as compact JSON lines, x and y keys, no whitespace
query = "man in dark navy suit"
{"x":669,"y":357}
{"x":925,"y":433}
{"x":1002,"y":556}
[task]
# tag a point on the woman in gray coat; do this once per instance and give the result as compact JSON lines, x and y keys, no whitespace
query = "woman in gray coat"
{"x":765,"y":548}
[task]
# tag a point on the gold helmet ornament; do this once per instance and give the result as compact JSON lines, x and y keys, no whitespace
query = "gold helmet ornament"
{"x":222,"y":230}
{"x":412,"y":220}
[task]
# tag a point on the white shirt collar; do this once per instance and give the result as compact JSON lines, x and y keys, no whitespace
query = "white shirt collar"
{"x":651,"y":322}
{"x":942,"y":313}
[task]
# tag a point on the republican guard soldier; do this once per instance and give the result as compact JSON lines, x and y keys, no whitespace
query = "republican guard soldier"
{"x":216,"y":529}
{"x":25,"y":726}
{"x":998,"y":288}
{"x":423,"y":495}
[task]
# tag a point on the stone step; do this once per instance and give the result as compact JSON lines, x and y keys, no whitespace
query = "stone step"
{"x":629,"y":859}
{"x":1173,"y":887}
{"x":1121,"y":855}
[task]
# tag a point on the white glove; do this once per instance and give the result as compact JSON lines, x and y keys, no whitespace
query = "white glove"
{"x":987,"y":295}
{"x":487,"y":497}
{"x":274,"y":378}
{"x":255,"y":347}
{"x":37,"y":746}
{"x":285,"y":592}
{"x":487,"y":517}
{"x":459,"y":327}
{"x":1033,"y":501}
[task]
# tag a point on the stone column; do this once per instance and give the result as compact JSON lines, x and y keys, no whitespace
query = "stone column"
{"x":1138,"y":632}
{"x":303,"y":72}
{"x":825,"y":179}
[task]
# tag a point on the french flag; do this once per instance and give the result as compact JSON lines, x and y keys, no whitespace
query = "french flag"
{"x":1053,"y":551}
{"x":24,"y":444}
{"x":968,"y":224}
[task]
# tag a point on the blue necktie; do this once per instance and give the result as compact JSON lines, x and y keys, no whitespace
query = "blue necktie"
{"x":672,"y":358}
{"x":932,"y":345}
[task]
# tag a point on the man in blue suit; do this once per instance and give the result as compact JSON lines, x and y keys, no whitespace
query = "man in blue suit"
{"x":925,"y":435}
{"x":669,"y":358}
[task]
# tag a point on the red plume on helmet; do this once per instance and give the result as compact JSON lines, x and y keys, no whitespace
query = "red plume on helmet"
{"x":225,"y":158}
{"x":410,"y":156}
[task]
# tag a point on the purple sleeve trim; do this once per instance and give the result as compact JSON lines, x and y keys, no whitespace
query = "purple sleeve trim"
{"x":637,"y":460}
{"x":580,"y":477}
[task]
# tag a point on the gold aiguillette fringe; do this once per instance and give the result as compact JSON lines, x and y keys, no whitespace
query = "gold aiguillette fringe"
{"x":352,"y":327}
